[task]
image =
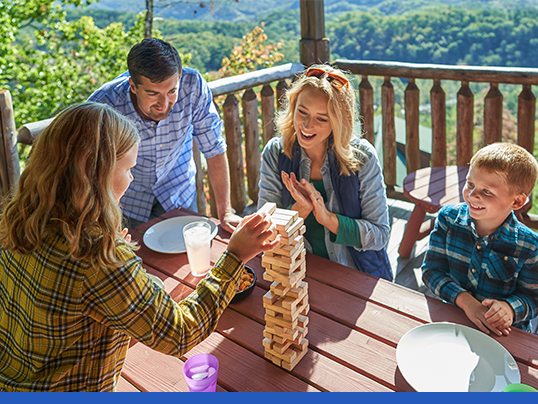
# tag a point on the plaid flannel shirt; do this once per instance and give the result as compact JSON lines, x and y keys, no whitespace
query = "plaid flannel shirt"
{"x":65,"y":325}
{"x":501,"y":266}
{"x":165,"y":167}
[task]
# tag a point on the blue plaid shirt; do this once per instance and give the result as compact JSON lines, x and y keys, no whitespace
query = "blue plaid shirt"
{"x":165,"y":167}
{"x":501,"y":266}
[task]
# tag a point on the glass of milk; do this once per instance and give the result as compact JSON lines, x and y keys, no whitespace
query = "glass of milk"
{"x":197,"y":236}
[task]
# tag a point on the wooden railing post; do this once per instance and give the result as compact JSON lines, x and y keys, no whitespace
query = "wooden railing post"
{"x":389,"y":134}
{"x":412,"y":147}
{"x":438,"y":103}
{"x":9,"y":156}
{"x":232,"y":127}
{"x":493,"y":115}
{"x":252,"y":142}
{"x":281,"y":89}
{"x":366,"y":109}
{"x":465,"y":125}
{"x":268,"y":113}
{"x":526,"y":114}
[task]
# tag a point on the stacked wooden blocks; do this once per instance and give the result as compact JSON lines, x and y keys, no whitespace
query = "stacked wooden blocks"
{"x":286,"y":303}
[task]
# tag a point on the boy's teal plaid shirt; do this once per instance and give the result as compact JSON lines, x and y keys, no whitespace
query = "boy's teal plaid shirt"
{"x":65,"y":325}
{"x":501,"y":266}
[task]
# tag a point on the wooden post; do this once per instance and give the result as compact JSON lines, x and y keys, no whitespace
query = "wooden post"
{"x":526,"y":114}
{"x":313,"y":47}
{"x":389,"y":134}
{"x":493,"y":115}
{"x":252,"y":142}
{"x":437,"y":95}
{"x":465,"y":125}
{"x":9,"y":156}
{"x":268,"y":113}
{"x":412,"y":149}
{"x":232,"y":127}
{"x":366,"y":109}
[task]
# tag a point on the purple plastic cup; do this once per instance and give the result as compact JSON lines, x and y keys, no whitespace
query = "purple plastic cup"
{"x":201,"y":373}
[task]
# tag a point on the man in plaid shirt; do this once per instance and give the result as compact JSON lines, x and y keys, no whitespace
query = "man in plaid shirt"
{"x":480,"y":257}
{"x":172,"y":107}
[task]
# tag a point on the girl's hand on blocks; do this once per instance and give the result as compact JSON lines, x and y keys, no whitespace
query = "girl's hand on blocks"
{"x":500,"y":314}
{"x":475,"y":311}
{"x":251,"y":237}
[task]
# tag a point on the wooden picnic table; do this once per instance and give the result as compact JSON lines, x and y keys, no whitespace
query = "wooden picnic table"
{"x":355,"y":323}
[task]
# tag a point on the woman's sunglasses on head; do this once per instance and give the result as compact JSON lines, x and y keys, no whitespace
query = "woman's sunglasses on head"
{"x":336,"y":80}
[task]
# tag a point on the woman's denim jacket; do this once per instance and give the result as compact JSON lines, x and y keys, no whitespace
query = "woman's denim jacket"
{"x":361,"y":196}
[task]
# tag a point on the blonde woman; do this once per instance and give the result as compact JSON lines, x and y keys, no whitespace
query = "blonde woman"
{"x":72,"y":290}
{"x":332,"y":177}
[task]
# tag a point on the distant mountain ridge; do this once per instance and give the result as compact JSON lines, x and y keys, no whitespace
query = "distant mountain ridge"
{"x":251,"y":10}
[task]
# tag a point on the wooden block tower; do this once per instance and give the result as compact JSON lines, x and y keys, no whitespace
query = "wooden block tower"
{"x":286,"y":303}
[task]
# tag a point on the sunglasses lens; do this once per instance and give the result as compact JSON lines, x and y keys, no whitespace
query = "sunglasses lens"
{"x":336,"y":80}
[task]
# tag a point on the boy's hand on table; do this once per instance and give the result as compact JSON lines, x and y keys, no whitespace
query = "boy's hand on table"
{"x":499,"y":315}
{"x":475,"y":311}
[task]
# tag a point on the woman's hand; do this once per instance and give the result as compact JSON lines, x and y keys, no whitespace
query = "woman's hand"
{"x":299,"y":193}
{"x":322,"y":215}
{"x":250,"y":237}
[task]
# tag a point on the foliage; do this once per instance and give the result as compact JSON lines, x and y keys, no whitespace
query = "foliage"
{"x":252,"y":53}
{"x":62,"y":62}
{"x":441,"y":34}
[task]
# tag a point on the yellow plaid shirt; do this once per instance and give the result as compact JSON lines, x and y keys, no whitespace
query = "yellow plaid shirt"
{"x":65,"y":325}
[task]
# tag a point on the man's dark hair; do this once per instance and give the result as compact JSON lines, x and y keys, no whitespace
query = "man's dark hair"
{"x":154,"y":59}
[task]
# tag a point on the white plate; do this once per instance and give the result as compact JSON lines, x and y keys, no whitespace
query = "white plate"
{"x":167,"y":236}
{"x":451,"y":357}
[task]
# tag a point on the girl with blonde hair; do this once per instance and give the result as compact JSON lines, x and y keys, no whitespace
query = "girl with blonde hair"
{"x":72,"y":290}
{"x":322,"y":169}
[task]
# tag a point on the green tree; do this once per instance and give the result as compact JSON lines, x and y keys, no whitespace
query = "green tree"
{"x":61,"y":62}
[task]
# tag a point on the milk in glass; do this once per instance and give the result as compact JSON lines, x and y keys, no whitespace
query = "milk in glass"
{"x":197,"y":237}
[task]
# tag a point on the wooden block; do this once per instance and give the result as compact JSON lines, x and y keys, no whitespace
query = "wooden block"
{"x":282,"y":332}
{"x":294,"y":296}
{"x":278,"y":289}
{"x":278,"y":338}
{"x":287,"y":250}
{"x":303,"y":320}
{"x":288,"y":355}
{"x":282,"y":223}
{"x":294,"y":227}
{"x":270,"y":312}
{"x":287,"y":212}
{"x":290,"y":281}
{"x":298,"y":291}
{"x":290,"y":365}
{"x":281,"y":348}
{"x":269,"y":298}
{"x":302,"y":334}
{"x":267,"y":343}
{"x":268,"y":208}
{"x":279,"y":320}
{"x":300,"y":346}
{"x":272,"y":358}
{"x":280,"y":261}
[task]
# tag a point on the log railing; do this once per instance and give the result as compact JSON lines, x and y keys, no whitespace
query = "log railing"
{"x":257,"y":110}
{"x":493,"y":108}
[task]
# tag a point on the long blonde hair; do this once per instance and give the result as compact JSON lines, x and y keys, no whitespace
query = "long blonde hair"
{"x":67,"y":185}
{"x":342,"y":109}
